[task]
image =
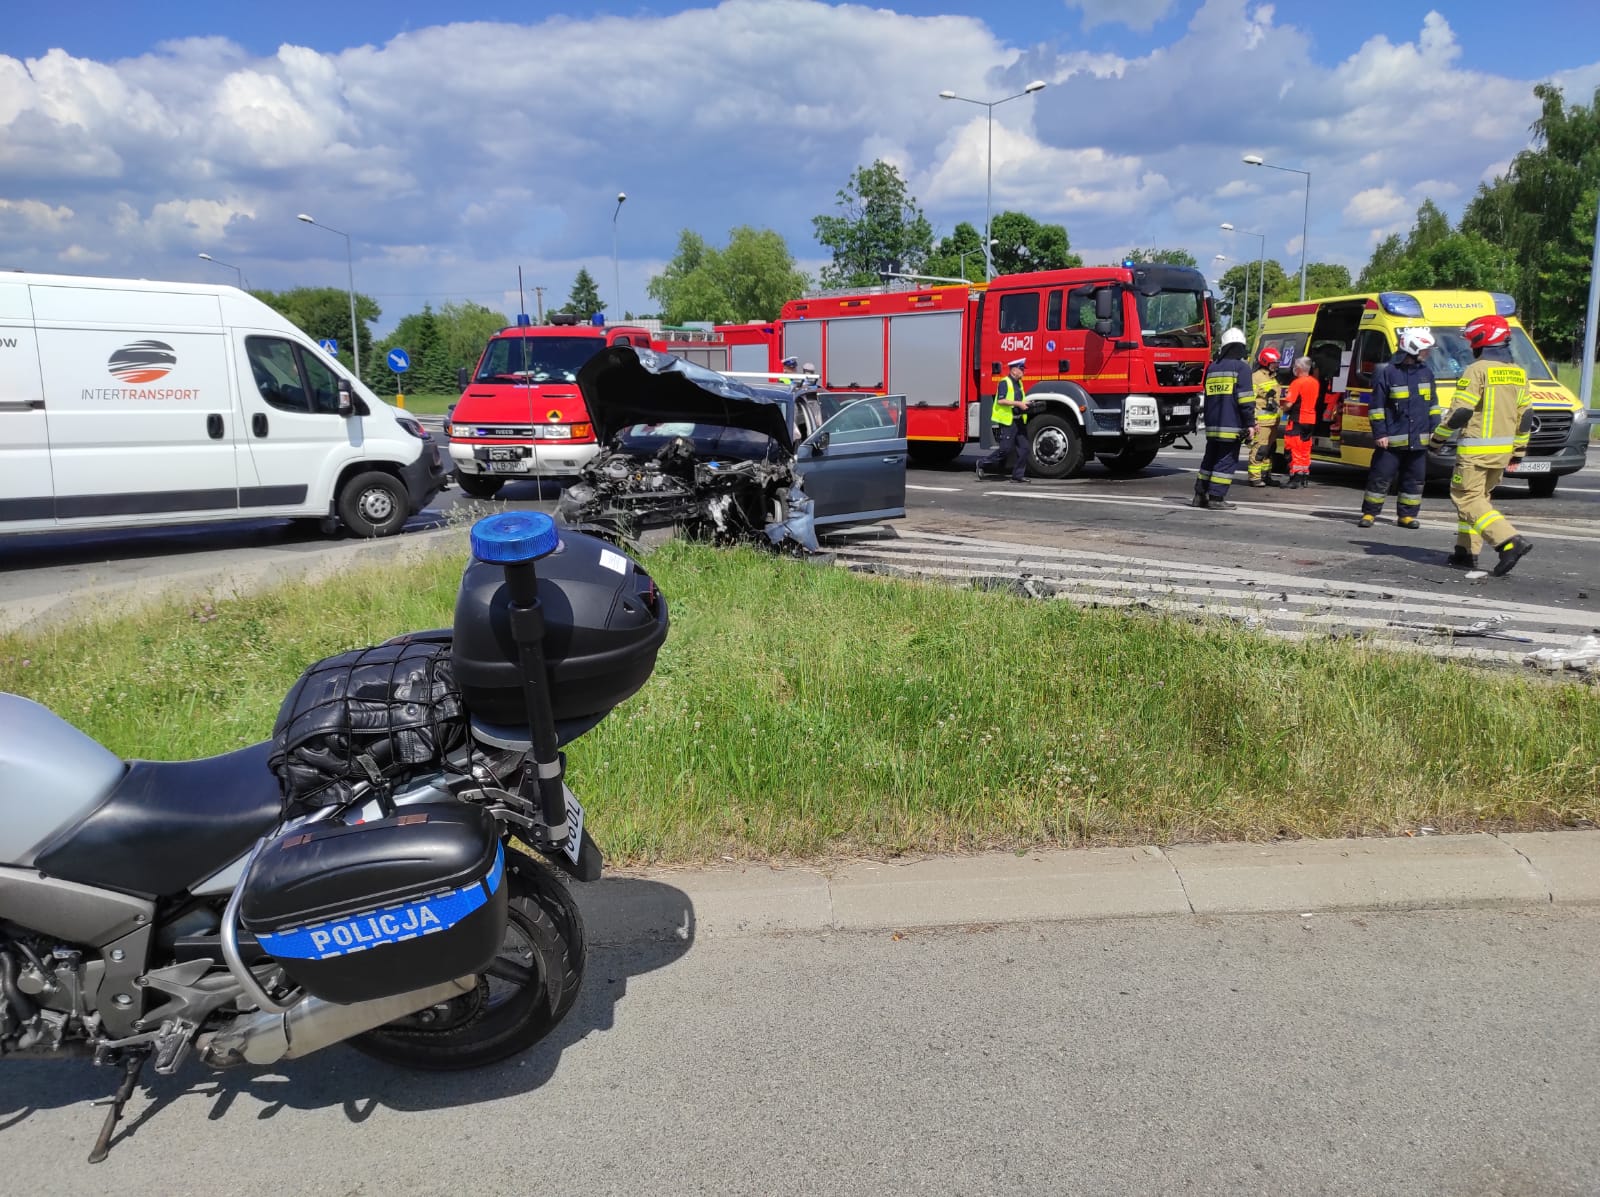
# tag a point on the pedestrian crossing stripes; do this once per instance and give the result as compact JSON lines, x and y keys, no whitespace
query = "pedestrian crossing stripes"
{"x":1464,"y":627}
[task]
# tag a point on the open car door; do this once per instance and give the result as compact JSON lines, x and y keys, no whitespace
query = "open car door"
{"x":854,"y":465}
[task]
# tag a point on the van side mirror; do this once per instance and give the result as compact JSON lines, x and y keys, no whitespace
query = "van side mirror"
{"x":1105,"y":306}
{"x":461,"y":378}
{"x":347,"y":402}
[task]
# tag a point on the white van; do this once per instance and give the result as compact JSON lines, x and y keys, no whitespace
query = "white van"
{"x":126,"y":403}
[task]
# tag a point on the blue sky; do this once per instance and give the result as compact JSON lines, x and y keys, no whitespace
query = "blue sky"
{"x":135,"y":136}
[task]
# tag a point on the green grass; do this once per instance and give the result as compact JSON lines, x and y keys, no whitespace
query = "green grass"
{"x":799,"y":711}
{"x":426,"y":405}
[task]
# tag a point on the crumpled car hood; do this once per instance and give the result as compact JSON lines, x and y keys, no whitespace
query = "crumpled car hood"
{"x":624,"y":386}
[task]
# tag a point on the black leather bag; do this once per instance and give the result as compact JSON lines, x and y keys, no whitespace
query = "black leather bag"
{"x":373,"y":715}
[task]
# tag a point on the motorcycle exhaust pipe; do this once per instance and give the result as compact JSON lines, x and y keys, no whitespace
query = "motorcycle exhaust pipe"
{"x":313,"y":1024}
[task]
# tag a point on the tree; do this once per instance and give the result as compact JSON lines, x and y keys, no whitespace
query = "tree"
{"x":1023,"y":243}
{"x":1527,"y":213}
{"x":1324,"y":279}
{"x":1434,"y":256}
{"x":881,"y":229}
{"x":422,"y":337}
{"x":584,"y":298}
{"x":464,"y":329}
{"x":1169,"y":257}
{"x":960,"y":255}
{"x":749,"y":280}
{"x":324,"y":313}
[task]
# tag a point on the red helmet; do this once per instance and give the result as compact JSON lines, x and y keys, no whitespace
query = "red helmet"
{"x":1486,"y":331}
{"x":1269,"y":357}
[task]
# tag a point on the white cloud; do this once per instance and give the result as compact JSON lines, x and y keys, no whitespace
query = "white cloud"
{"x":78,"y":255}
{"x":1135,"y":14}
{"x":449,"y":166}
{"x":1374,"y":206}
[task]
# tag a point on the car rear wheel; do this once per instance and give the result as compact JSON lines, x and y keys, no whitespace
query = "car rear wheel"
{"x":1055,"y":447}
{"x":479,"y":486}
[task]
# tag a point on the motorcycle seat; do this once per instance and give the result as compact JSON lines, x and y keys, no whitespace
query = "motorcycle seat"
{"x":167,"y":825}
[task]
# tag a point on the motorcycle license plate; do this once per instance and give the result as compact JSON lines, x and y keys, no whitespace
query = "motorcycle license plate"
{"x":1530,"y":467}
{"x":574,"y":845}
{"x":505,"y":467}
{"x":1181,"y":409}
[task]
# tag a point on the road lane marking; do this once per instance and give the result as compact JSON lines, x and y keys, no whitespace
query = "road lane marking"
{"x":940,"y":489}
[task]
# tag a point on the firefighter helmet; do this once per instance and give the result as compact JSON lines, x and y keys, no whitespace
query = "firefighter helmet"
{"x":1415,"y":340}
{"x":1269,"y":358}
{"x":1234,"y":336}
{"x":1486,"y":331}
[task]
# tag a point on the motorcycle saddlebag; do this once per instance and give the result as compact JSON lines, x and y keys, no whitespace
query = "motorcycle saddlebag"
{"x":371,"y":910}
{"x":604,"y":623}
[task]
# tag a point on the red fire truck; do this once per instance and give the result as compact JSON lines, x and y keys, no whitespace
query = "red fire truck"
{"x":1115,"y":358}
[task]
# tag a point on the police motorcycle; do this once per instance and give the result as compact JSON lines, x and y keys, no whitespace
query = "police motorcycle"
{"x":359,"y":878}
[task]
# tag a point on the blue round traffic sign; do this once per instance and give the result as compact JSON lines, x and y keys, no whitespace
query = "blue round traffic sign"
{"x":399,"y":361}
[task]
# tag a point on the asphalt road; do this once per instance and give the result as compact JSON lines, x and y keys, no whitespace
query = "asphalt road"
{"x":1428,"y":1053}
{"x":1309,"y":533}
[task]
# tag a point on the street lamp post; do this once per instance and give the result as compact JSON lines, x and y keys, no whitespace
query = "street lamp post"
{"x":616,"y":271}
{"x":1305,"y":223}
{"x":1261,"y":271}
{"x":988,"y":186}
{"x":229,"y":265}
{"x":1233,"y":313}
{"x":350,"y":263}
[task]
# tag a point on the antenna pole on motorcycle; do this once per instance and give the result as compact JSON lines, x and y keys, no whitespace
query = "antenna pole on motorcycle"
{"x":515,"y":540}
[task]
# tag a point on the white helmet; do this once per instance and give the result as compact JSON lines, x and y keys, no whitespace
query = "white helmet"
{"x":1415,"y":341}
{"x":1234,"y":336}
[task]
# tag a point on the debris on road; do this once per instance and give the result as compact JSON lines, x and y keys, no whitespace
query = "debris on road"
{"x":1583,"y":656}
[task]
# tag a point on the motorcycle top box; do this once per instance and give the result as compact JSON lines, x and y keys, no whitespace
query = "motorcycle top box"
{"x":604,"y":623}
{"x":363,"y":911}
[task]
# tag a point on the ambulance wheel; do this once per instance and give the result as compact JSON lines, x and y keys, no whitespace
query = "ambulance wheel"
{"x":1542,"y":487}
{"x":935,"y":453}
{"x":1055,"y":447}
{"x":479,"y":486}
{"x":374,"y":504}
{"x":1129,"y":461}
{"x":520,"y":999}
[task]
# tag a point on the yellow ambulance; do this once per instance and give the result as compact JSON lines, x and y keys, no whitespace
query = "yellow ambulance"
{"x":1348,"y":337}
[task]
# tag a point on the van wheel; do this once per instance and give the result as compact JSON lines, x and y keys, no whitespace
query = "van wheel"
{"x":1055,"y":448}
{"x":374,"y":504}
{"x":479,"y":486}
{"x":1129,"y":461}
{"x":1542,"y":488}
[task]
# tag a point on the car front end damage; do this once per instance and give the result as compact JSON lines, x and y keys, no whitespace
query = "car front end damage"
{"x":687,"y":450}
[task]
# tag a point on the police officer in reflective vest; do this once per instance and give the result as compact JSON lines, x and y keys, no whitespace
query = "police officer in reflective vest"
{"x":1230,"y":413}
{"x":1489,"y":422}
{"x":1404,"y":412}
{"x":1008,"y":420}
{"x":1265,"y":384}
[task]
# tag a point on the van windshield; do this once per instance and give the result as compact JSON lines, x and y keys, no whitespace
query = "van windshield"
{"x":1176,"y":318}
{"x":1451,"y":355}
{"x":536,"y":359}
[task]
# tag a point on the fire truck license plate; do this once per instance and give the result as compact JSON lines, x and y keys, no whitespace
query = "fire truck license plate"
{"x":505,"y":467}
{"x":1531,"y":467}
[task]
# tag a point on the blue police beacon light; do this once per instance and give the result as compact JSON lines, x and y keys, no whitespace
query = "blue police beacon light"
{"x":524,"y":320}
{"x":514,"y":537}
{"x":598,"y":319}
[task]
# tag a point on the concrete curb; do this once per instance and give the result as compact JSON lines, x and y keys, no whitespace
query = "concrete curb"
{"x":1535,"y":869}
{"x":223,"y":581}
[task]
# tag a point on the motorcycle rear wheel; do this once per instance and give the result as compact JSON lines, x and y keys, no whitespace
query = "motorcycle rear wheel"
{"x":523,"y":996}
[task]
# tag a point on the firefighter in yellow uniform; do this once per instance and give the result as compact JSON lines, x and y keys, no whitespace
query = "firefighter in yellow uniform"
{"x":1265,"y":386}
{"x":1489,"y":422}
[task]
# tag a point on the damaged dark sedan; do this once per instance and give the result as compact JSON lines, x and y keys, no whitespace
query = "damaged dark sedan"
{"x":711,"y":457}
